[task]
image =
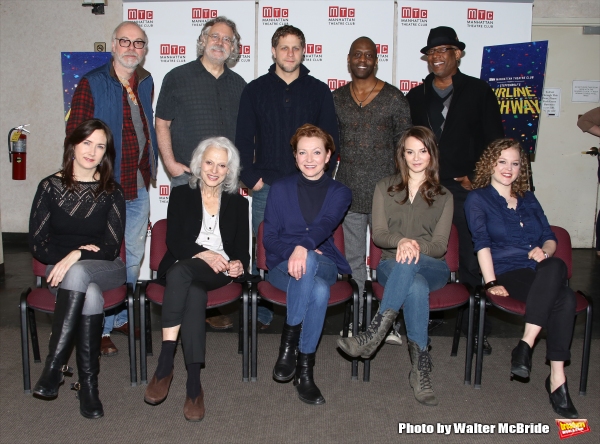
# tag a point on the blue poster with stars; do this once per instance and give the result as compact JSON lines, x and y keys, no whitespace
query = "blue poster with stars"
{"x":516,"y":74}
{"x":74,"y":66}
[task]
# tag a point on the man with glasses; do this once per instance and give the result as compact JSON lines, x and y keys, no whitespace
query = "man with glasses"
{"x":120,"y":94}
{"x":464,"y":114}
{"x":199,"y":100}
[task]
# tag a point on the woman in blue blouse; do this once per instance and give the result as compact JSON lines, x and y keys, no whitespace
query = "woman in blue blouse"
{"x":301,"y":214}
{"x":515,"y":245}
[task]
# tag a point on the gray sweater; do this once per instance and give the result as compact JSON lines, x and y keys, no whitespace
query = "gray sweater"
{"x":368,"y":139}
{"x":428,"y":225}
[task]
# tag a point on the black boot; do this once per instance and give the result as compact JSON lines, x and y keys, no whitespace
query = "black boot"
{"x":561,"y":401}
{"x":285,"y":367}
{"x":88,"y":365}
{"x":304,"y":382}
{"x":67,"y":313}
{"x":520,"y":364}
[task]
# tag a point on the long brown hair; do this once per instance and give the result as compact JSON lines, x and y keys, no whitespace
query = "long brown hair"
{"x":104,"y":168}
{"x":431,"y":186}
{"x":484,"y":169}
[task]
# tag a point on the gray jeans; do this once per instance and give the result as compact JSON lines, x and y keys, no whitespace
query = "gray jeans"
{"x":92,"y":277}
{"x":355,"y":243}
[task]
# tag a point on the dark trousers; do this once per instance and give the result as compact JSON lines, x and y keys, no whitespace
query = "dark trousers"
{"x":186,"y":295}
{"x":550,"y":303}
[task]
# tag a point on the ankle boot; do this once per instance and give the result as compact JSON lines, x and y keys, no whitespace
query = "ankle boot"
{"x":88,"y":365}
{"x":285,"y":367}
{"x":304,"y":382}
{"x":520,"y":364}
{"x":561,"y":401}
{"x":365,"y":343}
{"x":67,"y":313}
{"x":419,"y":377}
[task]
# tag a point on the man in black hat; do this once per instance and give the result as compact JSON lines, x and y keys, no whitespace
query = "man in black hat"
{"x":464,"y":114}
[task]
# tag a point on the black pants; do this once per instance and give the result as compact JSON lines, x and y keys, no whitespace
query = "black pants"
{"x":550,"y":303}
{"x":186,"y":295}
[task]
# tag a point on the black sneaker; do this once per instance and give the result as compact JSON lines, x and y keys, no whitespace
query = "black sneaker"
{"x":487,"y":348}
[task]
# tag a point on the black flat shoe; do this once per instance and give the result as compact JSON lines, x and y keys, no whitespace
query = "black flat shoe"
{"x":561,"y":401}
{"x":520,"y":363}
{"x":487,"y":348}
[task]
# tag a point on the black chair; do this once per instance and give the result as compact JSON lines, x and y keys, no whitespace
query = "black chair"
{"x":152,"y":292}
{"x":41,"y":299}
{"x":510,"y":305}
{"x":452,"y":295}
{"x":340,"y":292}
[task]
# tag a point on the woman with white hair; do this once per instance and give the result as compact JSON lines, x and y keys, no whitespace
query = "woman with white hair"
{"x":207,"y":240}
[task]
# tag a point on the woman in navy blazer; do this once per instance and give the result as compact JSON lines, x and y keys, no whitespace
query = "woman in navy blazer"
{"x":301,"y":215}
{"x":207,"y":240}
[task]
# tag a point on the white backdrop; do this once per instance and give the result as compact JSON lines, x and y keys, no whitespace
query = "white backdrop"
{"x":329,"y":27}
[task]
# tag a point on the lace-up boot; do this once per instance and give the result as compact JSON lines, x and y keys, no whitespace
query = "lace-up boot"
{"x":365,"y":343}
{"x":419,"y":376}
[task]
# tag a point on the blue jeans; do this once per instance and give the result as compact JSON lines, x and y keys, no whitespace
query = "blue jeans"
{"x":307,"y":297}
{"x":408,"y":286}
{"x":136,"y":226}
{"x":259,"y":201}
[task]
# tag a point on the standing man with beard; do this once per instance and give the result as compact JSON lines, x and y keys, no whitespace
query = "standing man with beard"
{"x":120,"y":94}
{"x":372,"y":116}
{"x":463,"y":113}
{"x":272,"y":108}
{"x":199,"y":100}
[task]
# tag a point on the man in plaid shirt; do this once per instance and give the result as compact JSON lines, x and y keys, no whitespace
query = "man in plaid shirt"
{"x":120,"y":94}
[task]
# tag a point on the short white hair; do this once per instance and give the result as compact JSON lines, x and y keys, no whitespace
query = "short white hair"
{"x":231,"y":182}
{"x":114,"y":34}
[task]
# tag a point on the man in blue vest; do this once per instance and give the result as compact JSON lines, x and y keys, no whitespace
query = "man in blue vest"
{"x":120,"y":94}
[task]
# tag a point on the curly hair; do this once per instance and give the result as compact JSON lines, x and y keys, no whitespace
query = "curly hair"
{"x":231,"y":182}
{"x":484,"y":169}
{"x":431,"y":187}
{"x":203,"y":38}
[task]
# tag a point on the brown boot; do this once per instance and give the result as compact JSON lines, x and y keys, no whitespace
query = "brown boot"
{"x":193,"y":410}
{"x":158,"y":389}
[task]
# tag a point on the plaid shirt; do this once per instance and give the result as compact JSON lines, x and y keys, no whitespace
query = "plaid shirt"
{"x":82,"y":108}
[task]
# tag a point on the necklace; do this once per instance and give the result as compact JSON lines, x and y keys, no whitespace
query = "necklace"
{"x":360,"y":102}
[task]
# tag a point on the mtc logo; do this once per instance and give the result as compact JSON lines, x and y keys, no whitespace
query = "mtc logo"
{"x":479,"y":14}
{"x":336,"y":11}
{"x":336,"y":83}
{"x":407,"y":85}
{"x":311,"y":48}
{"x":172,"y":50}
{"x":244,"y":49}
{"x":269,"y":12}
{"x":139,"y":14}
{"x":415,"y":13}
{"x":382,"y":49}
{"x":164,"y":190}
{"x":203,"y":13}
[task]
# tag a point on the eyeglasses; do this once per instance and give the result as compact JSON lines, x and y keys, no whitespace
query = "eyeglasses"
{"x":217,"y":38}
{"x":440,"y":50}
{"x":126,"y":43}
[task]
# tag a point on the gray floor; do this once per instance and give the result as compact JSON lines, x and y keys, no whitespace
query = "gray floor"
{"x":267,"y":411}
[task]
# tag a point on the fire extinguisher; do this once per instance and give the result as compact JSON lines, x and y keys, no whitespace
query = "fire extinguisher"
{"x":17,"y":151}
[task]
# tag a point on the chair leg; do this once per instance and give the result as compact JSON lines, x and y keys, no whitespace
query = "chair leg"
{"x":355,"y":297}
{"x":347,"y":313}
{"x":479,"y":359}
{"x":469,"y":351}
{"x":25,"y":342}
{"x":148,"y":330}
{"x":143,"y":337}
{"x":35,"y":343}
{"x":367,"y":307}
{"x":244,"y":333}
{"x":132,"y":351}
{"x":587,"y":341}
{"x":241,"y":327}
{"x":254,"y":339}
{"x":456,"y":340}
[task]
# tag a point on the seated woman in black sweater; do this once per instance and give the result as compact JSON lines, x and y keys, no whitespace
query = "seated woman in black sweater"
{"x":76,"y":228}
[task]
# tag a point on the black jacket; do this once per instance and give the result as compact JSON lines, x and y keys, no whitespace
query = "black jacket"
{"x":472,"y":122}
{"x":184,"y":220}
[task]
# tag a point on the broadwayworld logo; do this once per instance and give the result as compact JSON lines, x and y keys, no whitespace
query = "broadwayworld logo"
{"x":480,"y":18}
{"x":339,"y":15}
